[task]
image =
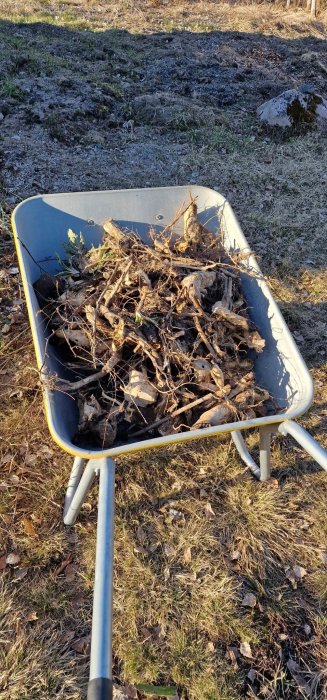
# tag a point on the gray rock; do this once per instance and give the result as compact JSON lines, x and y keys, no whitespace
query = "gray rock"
{"x":295,"y":108}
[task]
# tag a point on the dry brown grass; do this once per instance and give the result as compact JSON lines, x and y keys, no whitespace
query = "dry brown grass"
{"x":167,"y":15}
{"x":178,"y":590}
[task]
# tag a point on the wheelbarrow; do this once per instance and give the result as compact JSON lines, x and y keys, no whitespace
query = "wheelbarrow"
{"x":40,"y":226}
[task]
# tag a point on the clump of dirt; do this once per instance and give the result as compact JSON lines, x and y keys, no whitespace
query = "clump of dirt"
{"x":159,"y":335}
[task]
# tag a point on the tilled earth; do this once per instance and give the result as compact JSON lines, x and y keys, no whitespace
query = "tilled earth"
{"x":85,"y":110}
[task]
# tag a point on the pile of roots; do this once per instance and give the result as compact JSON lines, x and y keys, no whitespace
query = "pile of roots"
{"x":157,"y":337}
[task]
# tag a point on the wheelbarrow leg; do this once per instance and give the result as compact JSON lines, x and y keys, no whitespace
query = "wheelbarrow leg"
{"x":244,"y":453}
{"x":262,"y":473}
{"x":74,"y":479}
{"x":100,"y":684}
{"x":78,"y":487}
{"x":265,"y":461}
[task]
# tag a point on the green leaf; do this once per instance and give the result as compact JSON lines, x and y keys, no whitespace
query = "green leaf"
{"x":157,"y":690}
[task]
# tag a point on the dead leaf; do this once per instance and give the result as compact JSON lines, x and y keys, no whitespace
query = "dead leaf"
{"x":82,"y":645}
{"x":7,"y":458}
{"x":13,"y":559}
{"x":130,"y":691}
{"x":209,"y":511}
{"x":167,"y":573}
{"x":68,"y":636}
{"x":291,"y":577}
{"x":245,"y":650}
{"x":87,"y":507}
{"x":235,"y":555}
{"x":31,"y":460}
{"x":46,"y":450}
{"x":141,"y":535}
{"x":304,"y":525}
{"x":252,"y":675}
{"x":214,"y":416}
{"x":159,"y":632}
{"x":283,"y":637}
{"x":211,"y":647}
{"x":176,"y":515}
{"x":32,"y":616}
{"x":196,"y":283}
{"x":17,"y":392}
{"x":20,"y":573}
{"x":169,"y":550}
{"x":299,"y":572}
{"x":296,"y":672}
{"x":232,"y":653}
{"x":203,"y":493}
{"x":249,"y":600}
{"x":3,"y":562}
{"x":61,"y":567}
{"x":138,"y":549}
{"x":139,"y":389}
{"x":188,"y":555}
{"x":5,"y":329}
{"x":29,"y":527}
{"x":307,"y":630}
{"x":119,"y":693}
{"x":70,"y":573}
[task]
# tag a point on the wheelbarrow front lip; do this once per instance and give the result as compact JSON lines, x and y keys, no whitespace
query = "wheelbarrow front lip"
{"x":166,"y":440}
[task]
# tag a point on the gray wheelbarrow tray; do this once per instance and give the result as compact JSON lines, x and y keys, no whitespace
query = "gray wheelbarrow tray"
{"x":40,"y":226}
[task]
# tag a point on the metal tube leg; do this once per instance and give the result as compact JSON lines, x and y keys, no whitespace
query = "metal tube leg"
{"x":265,"y":463}
{"x":306,"y":441}
{"x":74,"y":479}
{"x":244,"y":453}
{"x":82,"y":489}
{"x":100,"y":684}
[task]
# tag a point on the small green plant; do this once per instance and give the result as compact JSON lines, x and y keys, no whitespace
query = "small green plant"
{"x":8,"y":88}
{"x":76,"y":243}
{"x":74,"y":247}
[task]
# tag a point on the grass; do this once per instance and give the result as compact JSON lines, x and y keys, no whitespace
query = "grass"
{"x":158,"y":15}
{"x":179,"y":580}
{"x":8,"y":88}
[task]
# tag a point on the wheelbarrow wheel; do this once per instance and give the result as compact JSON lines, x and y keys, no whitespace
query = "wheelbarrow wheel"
{"x":100,"y":689}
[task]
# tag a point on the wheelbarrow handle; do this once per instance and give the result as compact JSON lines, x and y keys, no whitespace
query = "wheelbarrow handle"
{"x":301,"y":436}
{"x":100,"y":689}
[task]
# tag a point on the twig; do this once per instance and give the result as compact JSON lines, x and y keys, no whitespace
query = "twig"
{"x":204,"y":338}
{"x":118,"y":283}
{"x":178,"y":216}
{"x":96,"y":312}
{"x":175,"y":413}
{"x":74,"y":386}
